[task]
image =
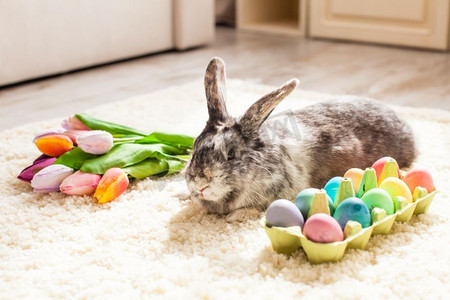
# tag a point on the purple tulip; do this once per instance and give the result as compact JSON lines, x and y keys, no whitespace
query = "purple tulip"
{"x":41,"y":162}
{"x":49,"y":178}
{"x":95,"y":141}
{"x":47,"y":132}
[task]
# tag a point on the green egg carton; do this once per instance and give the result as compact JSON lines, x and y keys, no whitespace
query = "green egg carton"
{"x":290,"y":239}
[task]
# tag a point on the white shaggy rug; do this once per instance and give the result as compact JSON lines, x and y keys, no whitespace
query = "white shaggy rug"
{"x":148,"y":243}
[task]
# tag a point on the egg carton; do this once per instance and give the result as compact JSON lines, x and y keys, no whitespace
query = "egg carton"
{"x":287,"y":240}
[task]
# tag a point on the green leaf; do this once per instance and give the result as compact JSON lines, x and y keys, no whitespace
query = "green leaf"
{"x":123,"y":155}
{"x":113,"y":128}
{"x":176,"y":140}
{"x":152,"y":166}
{"x":147,"y":167}
{"x":175,"y":166}
{"x":74,"y":158}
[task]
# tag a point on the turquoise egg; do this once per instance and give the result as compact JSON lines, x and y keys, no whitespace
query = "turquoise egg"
{"x":332,"y":186}
{"x":284,"y":213}
{"x":305,"y":198}
{"x":379,"y":198}
{"x":352,"y":209}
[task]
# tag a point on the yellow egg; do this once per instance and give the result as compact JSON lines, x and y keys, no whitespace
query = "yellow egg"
{"x":356,"y":176}
{"x":395,"y":187}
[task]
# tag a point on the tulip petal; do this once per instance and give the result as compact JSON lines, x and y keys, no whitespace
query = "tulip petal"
{"x":41,"y":162}
{"x":80,"y":183}
{"x":95,"y":141}
{"x":76,"y":124}
{"x":113,"y":183}
{"x":49,"y":178}
{"x":74,"y":134}
{"x":54,"y":145}
{"x":53,"y":131}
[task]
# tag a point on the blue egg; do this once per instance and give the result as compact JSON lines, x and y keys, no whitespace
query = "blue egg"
{"x":305,"y":198}
{"x":332,"y":186}
{"x":284,"y":213}
{"x":352,"y":209}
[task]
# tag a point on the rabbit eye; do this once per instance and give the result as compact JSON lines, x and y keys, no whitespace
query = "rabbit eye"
{"x":231,"y":154}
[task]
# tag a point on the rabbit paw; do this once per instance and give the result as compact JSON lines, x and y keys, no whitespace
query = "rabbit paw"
{"x":243,"y":214}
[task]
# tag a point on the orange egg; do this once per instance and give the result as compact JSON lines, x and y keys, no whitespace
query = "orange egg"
{"x":419,"y":177}
{"x":356,"y":176}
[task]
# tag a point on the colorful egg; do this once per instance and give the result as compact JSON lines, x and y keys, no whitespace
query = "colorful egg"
{"x":284,"y":213}
{"x":356,"y":176}
{"x":395,"y":187}
{"x":305,"y":198}
{"x":352,"y":209}
{"x":379,"y":198}
{"x":379,"y":165}
{"x":322,"y":228}
{"x":332,"y":186}
{"x":419,"y":177}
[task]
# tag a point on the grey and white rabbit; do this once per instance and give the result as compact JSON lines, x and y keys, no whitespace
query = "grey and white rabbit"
{"x":237,"y":169}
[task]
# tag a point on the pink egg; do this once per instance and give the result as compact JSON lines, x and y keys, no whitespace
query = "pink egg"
{"x":322,"y":228}
{"x":379,"y":165}
{"x":419,"y":177}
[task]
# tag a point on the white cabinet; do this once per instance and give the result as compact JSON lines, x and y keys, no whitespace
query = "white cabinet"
{"x":416,"y":23}
{"x":419,"y":23}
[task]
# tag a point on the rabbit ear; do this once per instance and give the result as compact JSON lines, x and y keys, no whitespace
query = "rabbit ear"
{"x":261,"y":109}
{"x":216,"y":90}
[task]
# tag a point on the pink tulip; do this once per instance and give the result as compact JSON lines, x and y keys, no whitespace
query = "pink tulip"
{"x":41,"y":162}
{"x":74,"y":134}
{"x":113,"y":183}
{"x":49,"y":178}
{"x":74,"y":123}
{"x":95,"y":141}
{"x":80,"y":183}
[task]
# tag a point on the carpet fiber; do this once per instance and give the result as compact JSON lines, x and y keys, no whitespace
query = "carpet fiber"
{"x":149,"y":243}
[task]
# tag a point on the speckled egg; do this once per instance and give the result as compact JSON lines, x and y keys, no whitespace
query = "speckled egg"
{"x":305,"y":198}
{"x":419,"y":177}
{"x":332,"y":186}
{"x":352,"y":209}
{"x":322,"y":228}
{"x":284,"y":213}
{"x":356,"y":176}
{"x":379,"y":198}
{"x":396,"y":187}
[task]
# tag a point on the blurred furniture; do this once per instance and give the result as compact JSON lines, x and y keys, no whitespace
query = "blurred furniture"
{"x":417,"y":23}
{"x":285,"y":17}
{"x":40,"y":38}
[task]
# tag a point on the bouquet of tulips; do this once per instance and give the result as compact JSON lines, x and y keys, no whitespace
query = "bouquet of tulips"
{"x":89,"y":156}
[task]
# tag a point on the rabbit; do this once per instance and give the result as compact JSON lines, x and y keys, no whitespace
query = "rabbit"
{"x":237,"y":169}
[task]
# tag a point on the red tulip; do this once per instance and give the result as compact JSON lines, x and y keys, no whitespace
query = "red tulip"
{"x":113,"y":183}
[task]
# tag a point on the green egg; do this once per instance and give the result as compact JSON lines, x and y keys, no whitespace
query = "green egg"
{"x":378,"y":198}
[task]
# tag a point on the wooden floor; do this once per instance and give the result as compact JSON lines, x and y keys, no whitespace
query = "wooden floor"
{"x":393,"y":75}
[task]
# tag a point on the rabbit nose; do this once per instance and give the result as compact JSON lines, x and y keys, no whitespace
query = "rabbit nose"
{"x":201,"y":189}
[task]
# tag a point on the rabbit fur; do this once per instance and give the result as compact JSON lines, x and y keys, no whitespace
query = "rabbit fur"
{"x":239,"y":167}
